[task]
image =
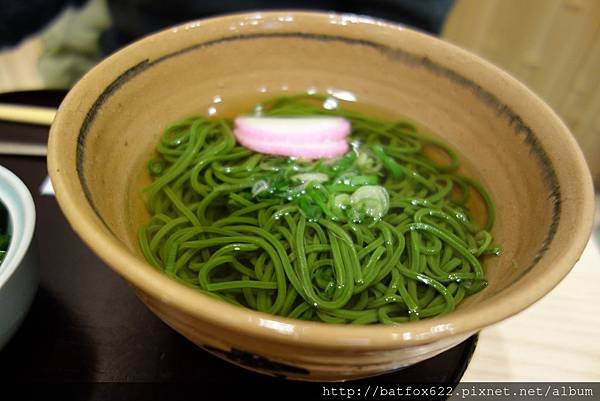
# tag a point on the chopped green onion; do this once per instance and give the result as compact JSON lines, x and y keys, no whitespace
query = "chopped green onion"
{"x":305,"y":178}
{"x":370,"y":200}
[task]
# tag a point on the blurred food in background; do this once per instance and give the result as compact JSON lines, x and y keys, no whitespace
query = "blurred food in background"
{"x":70,"y":36}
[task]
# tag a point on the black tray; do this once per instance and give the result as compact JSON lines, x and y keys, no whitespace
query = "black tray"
{"x":87,"y":328}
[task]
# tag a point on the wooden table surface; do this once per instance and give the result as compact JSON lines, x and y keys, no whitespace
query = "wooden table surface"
{"x":557,"y":339}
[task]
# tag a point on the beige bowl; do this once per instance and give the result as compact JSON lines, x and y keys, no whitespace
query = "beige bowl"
{"x":109,"y":123}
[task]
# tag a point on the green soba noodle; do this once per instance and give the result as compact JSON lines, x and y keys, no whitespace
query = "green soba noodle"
{"x":244,"y":227}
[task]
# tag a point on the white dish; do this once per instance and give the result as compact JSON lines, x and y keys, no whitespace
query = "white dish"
{"x":19,"y":273}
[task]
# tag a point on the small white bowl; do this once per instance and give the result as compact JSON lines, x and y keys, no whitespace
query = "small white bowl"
{"x":19,"y":273}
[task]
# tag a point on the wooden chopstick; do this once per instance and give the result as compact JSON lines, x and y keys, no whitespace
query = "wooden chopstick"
{"x":23,"y":149}
{"x":27,"y":114}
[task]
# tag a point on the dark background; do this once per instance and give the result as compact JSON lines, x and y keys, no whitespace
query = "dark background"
{"x":135,"y":18}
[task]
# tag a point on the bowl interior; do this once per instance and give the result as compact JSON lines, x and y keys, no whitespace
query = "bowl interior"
{"x":109,"y":124}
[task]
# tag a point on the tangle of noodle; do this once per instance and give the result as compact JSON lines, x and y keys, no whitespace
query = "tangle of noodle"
{"x":298,"y":257}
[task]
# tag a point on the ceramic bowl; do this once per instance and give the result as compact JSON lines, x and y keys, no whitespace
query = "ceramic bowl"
{"x":19,"y":273}
{"x":109,"y":123}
